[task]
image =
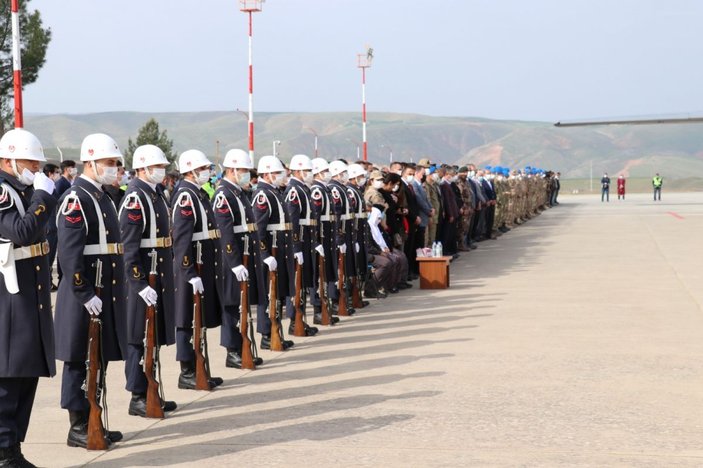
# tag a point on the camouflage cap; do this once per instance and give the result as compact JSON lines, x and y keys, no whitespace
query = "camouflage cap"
{"x":376,"y":175}
{"x":424,"y":162}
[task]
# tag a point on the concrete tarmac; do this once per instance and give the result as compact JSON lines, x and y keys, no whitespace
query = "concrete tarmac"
{"x":576,"y":339}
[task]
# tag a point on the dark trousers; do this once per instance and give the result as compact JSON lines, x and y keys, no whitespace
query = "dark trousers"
{"x":184,"y":347}
{"x":490,"y":217}
{"x":448,"y":239}
{"x":133,"y":370}
{"x":72,"y":379}
{"x":16,"y":400}
{"x":474,"y":226}
{"x":263,"y":323}
{"x":230,"y":335}
{"x":605,"y":194}
{"x":409,"y":248}
{"x":657,"y":192}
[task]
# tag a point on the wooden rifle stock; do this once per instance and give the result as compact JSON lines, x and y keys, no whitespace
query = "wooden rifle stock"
{"x":151,"y":351}
{"x":324,"y":299}
{"x":357,"y":302}
{"x":299,"y":329}
{"x":276,"y":332}
{"x":342,"y":285}
{"x":244,"y":313}
{"x":202,"y":371}
{"x":95,"y":375}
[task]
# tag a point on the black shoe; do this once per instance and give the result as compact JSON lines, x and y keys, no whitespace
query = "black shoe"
{"x":317,"y":319}
{"x":215,"y":381}
{"x":12,"y":457}
{"x":404,"y":285}
{"x":288,"y":344}
{"x":78,"y":433}
{"x":186,"y":379}
{"x":137,"y":405}
{"x":473,"y":246}
{"x":394,"y":290}
{"x":266,"y":343}
{"x":309,"y":331}
{"x":169,"y":406}
{"x":233,"y":360}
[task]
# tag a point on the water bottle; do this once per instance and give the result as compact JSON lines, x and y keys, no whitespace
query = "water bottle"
{"x":440,"y":248}
{"x":435,"y":249}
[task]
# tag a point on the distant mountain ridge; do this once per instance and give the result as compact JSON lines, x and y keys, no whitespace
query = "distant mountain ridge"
{"x":636,"y":151}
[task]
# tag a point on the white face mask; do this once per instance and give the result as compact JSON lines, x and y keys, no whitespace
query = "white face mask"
{"x":308,"y":178}
{"x":409,"y":178}
{"x":106,"y":175}
{"x":361,"y":181}
{"x":377,"y":184}
{"x":472,"y":173}
{"x":326,"y":177}
{"x":280,"y":179}
{"x":55,"y":176}
{"x":124,"y":180}
{"x":27,"y":176}
{"x":395,"y":188}
{"x":202,"y":177}
{"x":243,"y":178}
{"x":435,"y":177}
{"x":73,"y":172}
{"x":156,"y":175}
{"x":344,"y":177}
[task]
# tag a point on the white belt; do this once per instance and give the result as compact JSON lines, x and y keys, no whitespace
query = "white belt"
{"x":328,"y":217}
{"x":361,"y":215}
{"x":308,"y":222}
{"x":206,"y":235}
{"x":279,"y":227}
{"x":31,"y":251}
{"x":346,"y":217}
{"x":103,"y":249}
{"x":251,"y":227}
{"x":157,"y":243}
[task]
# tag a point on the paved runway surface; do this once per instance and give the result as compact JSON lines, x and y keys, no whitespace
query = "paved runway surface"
{"x":573,"y":340}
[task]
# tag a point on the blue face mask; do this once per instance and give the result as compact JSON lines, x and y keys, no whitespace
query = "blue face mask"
{"x":254,"y":186}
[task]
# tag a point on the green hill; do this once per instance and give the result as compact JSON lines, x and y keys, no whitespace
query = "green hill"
{"x":637,"y":151}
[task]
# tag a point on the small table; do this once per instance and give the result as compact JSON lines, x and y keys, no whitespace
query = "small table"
{"x":434,"y":272}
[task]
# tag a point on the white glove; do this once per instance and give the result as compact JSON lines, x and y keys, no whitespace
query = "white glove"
{"x":197,"y":285}
{"x":42,"y":182}
{"x":320,"y":250}
{"x":342,"y":248}
{"x":271,"y":263}
{"x":298,"y":257}
{"x":94,"y":306}
{"x":149,"y":295}
{"x":356,"y":247}
{"x":241,"y":272}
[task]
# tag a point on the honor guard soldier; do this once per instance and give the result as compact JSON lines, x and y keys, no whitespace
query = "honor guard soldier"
{"x":91,"y":261}
{"x":27,"y":339}
{"x":145,"y":230}
{"x":239,"y":242}
{"x":355,"y":192}
{"x":195,"y":242}
{"x":274,"y":229}
{"x":327,"y":231}
{"x":345,"y":216}
{"x":298,"y":203}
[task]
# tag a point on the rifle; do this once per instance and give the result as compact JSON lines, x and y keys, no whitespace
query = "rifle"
{"x":94,"y":385}
{"x":248,"y":352}
{"x":150,"y":362}
{"x":356,"y":293}
{"x":276,"y":332}
{"x":342,"y":285}
{"x":202,"y":367}
{"x":298,"y":301}
{"x":325,"y":305}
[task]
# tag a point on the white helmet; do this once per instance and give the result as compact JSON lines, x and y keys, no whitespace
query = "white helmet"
{"x":191,"y":160}
{"x":21,"y":144}
{"x":99,"y":146}
{"x":355,"y":170}
{"x":319,"y":165}
{"x":269,"y":164}
{"x":237,"y":159}
{"x":148,"y":155}
{"x":300,"y":162}
{"x":337,"y":167}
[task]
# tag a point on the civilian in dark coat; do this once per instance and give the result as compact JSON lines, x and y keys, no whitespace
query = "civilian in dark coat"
{"x":451,"y":211}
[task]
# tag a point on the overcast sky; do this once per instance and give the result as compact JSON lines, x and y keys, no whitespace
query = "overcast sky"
{"x":508,"y":59}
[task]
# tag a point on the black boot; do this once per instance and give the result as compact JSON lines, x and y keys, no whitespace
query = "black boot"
{"x":137,"y":405}
{"x":12,"y":457}
{"x":309,"y":331}
{"x":78,"y":434}
{"x":266,"y":343}
{"x":233,"y":359}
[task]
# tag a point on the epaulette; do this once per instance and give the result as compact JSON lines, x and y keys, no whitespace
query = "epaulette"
{"x":6,"y":201}
{"x":261,"y":201}
{"x":184,"y":199}
{"x":132,"y":202}
{"x":220,"y":203}
{"x":335,"y":193}
{"x":292,"y":196}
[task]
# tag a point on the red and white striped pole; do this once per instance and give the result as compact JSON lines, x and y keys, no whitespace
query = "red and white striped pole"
{"x":363,"y":112}
{"x":251,"y":91}
{"x":17,"y":64}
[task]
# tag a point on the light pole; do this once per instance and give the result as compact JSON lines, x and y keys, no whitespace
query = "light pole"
{"x":275,"y":145}
{"x":363,"y":61}
{"x":249,"y":7}
{"x":390,"y":153}
{"x":314,"y":133}
{"x":17,"y":64}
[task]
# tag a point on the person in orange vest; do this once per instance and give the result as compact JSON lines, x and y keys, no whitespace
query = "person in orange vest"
{"x":621,"y":186}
